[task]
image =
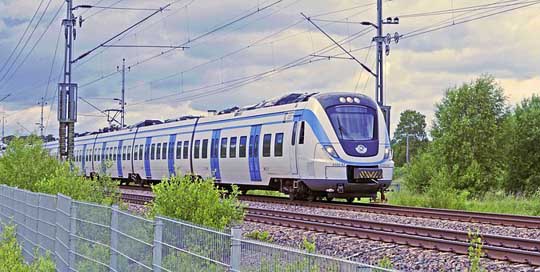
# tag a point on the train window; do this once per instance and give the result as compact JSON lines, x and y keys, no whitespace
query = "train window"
{"x":242,"y":147}
{"x":232,"y":148}
{"x":135,"y":152}
{"x":185,"y":150}
{"x":278,"y":145}
{"x":153,"y":151}
{"x":116,"y":155}
{"x":164,"y":151}
{"x":158,"y":151}
{"x":267,"y":141}
{"x":204,"y":148}
{"x":140,"y":152}
{"x":178,"y":150}
{"x":301,"y":137}
{"x":223,"y":151}
{"x":129,"y":153}
{"x":196,"y":149}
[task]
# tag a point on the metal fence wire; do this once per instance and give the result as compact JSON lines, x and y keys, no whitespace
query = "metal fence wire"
{"x":83,"y":236}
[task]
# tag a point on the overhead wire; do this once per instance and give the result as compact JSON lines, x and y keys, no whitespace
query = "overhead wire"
{"x":25,"y":43}
{"x":22,"y":36}
{"x":36,"y":43}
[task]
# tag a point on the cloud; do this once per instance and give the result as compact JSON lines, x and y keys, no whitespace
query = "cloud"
{"x":417,"y":73}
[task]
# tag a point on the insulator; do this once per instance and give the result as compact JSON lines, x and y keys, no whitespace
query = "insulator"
{"x":387,"y":50}
{"x":74,"y":33}
{"x":396,"y":37}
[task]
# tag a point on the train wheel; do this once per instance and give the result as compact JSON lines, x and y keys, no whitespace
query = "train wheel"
{"x":329,"y":199}
{"x":311,"y":197}
{"x":350,"y":200}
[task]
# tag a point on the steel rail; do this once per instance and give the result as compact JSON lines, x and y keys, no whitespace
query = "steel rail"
{"x":442,"y":214}
{"x":524,"y":251}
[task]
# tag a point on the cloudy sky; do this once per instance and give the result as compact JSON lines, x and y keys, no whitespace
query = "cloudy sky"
{"x":241,"y":52}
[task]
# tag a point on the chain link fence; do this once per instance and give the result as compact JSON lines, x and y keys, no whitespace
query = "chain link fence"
{"x":89,"y":237}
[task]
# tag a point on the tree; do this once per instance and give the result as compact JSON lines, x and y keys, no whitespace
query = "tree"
{"x":411,"y":123}
{"x":523,"y":136}
{"x":468,"y":124}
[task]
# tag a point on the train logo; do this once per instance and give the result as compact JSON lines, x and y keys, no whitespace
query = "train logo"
{"x":362,"y":149}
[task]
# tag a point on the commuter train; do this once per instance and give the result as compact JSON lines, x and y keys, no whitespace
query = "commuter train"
{"x":315,"y":145}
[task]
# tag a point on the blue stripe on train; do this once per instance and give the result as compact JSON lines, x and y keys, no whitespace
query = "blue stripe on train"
{"x":253,"y":154}
{"x":170,"y":158}
{"x":119,"y":159}
{"x":147,"y":168}
{"x":214,"y":158}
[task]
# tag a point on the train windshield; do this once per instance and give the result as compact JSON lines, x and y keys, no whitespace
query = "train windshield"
{"x":352,"y":123}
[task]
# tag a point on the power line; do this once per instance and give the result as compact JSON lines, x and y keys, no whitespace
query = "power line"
{"x":470,"y":19}
{"x":22,"y":36}
{"x":214,"y":30}
{"x":464,"y":9}
{"x":26,"y":42}
{"x":35,"y":44}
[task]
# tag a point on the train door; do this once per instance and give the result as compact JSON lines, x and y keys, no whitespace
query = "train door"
{"x":253,"y":153}
{"x":214,"y":154}
{"x":118,"y":155}
{"x":292,"y":150}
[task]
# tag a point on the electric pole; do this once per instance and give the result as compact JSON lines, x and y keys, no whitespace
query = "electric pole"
{"x":41,"y":126}
{"x":123,"y":98}
{"x":380,"y":41}
{"x":67,"y":91}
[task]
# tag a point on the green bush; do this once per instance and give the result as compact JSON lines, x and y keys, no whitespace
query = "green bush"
{"x":198,"y":201}
{"x":27,"y":165}
{"x":417,"y":176}
{"x":260,"y":235}
{"x":523,"y":136}
{"x":11,"y":257}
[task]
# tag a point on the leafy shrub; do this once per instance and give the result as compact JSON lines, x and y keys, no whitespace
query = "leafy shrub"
{"x":11,"y":257}
{"x":27,"y":165}
{"x":475,"y":252}
{"x":309,"y":246}
{"x":418,"y":175}
{"x":385,"y":263}
{"x":198,"y":201}
{"x":260,"y":235}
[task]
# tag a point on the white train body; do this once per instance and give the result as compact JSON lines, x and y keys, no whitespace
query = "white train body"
{"x":333,"y":145}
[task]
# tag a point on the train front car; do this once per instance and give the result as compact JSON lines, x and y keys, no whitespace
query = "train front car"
{"x":346,"y":152}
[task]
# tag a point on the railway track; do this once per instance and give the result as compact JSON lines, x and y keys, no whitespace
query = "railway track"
{"x":512,"y":249}
{"x":532,"y":222}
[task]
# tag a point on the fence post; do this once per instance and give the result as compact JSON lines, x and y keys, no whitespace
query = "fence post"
{"x":236,"y":248}
{"x":114,"y":238}
{"x":72,"y":233}
{"x":158,"y":238}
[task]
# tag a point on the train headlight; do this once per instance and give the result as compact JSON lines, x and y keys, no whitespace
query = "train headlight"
{"x":331,"y":151}
{"x":387,"y":153}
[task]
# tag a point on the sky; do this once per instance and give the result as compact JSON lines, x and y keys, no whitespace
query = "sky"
{"x":240,"y":52}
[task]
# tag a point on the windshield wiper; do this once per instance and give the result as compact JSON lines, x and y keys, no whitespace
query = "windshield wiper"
{"x":340,"y":128}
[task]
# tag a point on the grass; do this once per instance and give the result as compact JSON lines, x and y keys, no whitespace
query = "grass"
{"x":490,"y":203}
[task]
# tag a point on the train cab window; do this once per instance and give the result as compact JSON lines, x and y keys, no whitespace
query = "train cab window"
{"x":267,"y":141}
{"x":204,"y":154}
{"x":232,"y":148}
{"x":129,"y":152}
{"x":140,"y":152}
{"x":293,"y":136}
{"x":242,"y":147}
{"x":164,"y":151}
{"x":136,"y":152}
{"x":278,"y":145}
{"x":301,"y":136}
{"x":223,"y":151}
{"x":178,"y":150}
{"x":196,"y":149}
{"x":158,"y":151}
{"x":153,"y":152}
{"x":185,"y":150}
